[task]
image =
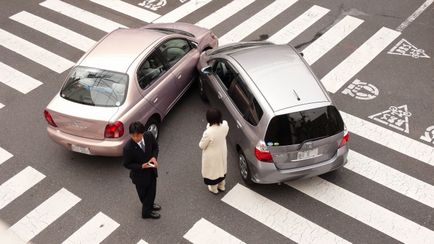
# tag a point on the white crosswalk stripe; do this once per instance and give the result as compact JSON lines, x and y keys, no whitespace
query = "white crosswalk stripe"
{"x":94,"y":231}
{"x":391,"y":178}
{"x":4,"y":155}
{"x":17,"y":80}
{"x":34,"y":52}
{"x":361,"y":57}
{"x":128,"y":9}
{"x":45,"y":214}
{"x":18,"y":184}
{"x":223,"y":13}
{"x":365,"y":211}
{"x":182,"y":11}
{"x":278,"y":218}
{"x":259,"y":19}
{"x":1,"y":105}
{"x":331,"y":38}
{"x":205,"y":232}
{"x":81,"y":15}
{"x":54,"y":30}
{"x":298,"y":25}
{"x":142,"y":242}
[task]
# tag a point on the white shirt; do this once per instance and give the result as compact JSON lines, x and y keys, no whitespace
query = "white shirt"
{"x":141,"y":144}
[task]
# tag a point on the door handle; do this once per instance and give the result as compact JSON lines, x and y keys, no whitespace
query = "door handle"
{"x":239,"y":125}
{"x":155,"y":100}
{"x":219,"y":95}
{"x":179,"y":76}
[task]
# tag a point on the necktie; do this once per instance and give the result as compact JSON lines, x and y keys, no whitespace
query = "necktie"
{"x":142,"y":145}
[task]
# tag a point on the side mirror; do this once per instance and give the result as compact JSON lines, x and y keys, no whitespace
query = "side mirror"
{"x":301,"y":54}
{"x":207,"y":70}
{"x":194,"y":44}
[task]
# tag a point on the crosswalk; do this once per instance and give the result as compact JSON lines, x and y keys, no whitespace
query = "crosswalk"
{"x":270,"y":214}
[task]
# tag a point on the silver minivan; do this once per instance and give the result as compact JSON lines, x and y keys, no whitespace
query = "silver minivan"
{"x":283,"y":124}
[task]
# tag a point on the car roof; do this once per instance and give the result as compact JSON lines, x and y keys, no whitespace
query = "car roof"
{"x":280,"y":75}
{"x":118,"y":50}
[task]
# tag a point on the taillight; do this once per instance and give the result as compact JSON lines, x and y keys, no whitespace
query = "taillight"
{"x":49,"y":119}
{"x":261,"y":152}
{"x":114,"y":130}
{"x":345,"y":138}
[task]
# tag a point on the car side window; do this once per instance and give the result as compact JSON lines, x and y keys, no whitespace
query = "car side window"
{"x":245,"y":101}
{"x":150,"y":70}
{"x":174,"y":49}
{"x":224,"y":73}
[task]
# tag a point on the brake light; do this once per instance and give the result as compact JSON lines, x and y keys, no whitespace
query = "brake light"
{"x":345,"y":138}
{"x":49,"y":119}
{"x":114,"y":130}
{"x":261,"y":152}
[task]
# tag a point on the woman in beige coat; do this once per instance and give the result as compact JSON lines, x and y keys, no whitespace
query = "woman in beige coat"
{"x":214,"y":151}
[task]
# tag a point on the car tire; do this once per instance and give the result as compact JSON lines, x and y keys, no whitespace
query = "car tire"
{"x":153,"y":126}
{"x":243,"y":166}
{"x":202,"y":93}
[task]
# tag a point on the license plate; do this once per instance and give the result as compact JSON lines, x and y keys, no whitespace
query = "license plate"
{"x":79,"y":149}
{"x":307,"y":154}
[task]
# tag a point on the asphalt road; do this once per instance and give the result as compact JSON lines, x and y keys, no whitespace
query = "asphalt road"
{"x":375,"y":198}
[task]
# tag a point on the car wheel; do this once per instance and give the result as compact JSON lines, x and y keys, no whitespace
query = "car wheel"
{"x":153,"y":127}
{"x":202,"y":91}
{"x":244,"y":169}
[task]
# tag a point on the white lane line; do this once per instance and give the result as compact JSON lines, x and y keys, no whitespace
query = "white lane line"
{"x":205,"y":232}
{"x":364,"y":211}
{"x":223,"y":13}
{"x":81,"y":15}
{"x":416,"y":14}
{"x":94,"y":231}
{"x":4,"y":155}
{"x":44,"y":214}
{"x":182,"y":11}
{"x":298,"y":25}
{"x":54,"y":30}
{"x":142,"y":242}
{"x":278,"y":218}
{"x":128,"y":9}
{"x":331,"y":38}
{"x":17,"y":80}
{"x":256,"y":21}
{"x":390,"y":139}
{"x":391,"y":178}
{"x":361,"y":57}
{"x":34,"y":52}
{"x":18,"y":184}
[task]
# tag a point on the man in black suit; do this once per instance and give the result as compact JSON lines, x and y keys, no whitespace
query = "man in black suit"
{"x":140,"y":156}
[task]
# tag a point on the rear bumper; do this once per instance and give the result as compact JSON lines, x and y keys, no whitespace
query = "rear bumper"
{"x":111,"y":148}
{"x":267,"y":173}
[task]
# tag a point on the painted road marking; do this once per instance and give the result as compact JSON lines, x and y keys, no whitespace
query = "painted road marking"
{"x":94,"y":231}
{"x":364,"y":211}
{"x":223,"y":13}
{"x":142,"y":242}
{"x":256,"y":21}
{"x":278,"y":218}
{"x":54,"y":30}
{"x":405,"y":48}
{"x":81,"y":15}
{"x":361,"y":57}
{"x":181,"y":11}
{"x":128,"y":9}
{"x":18,"y":184}
{"x":205,"y":232}
{"x":390,"y":139}
{"x":4,"y":155}
{"x":391,"y":178}
{"x":152,"y":5}
{"x":298,"y":25}
{"x":416,"y":14}
{"x":17,"y":80}
{"x":45,"y":214}
{"x":331,"y":38}
{"x":428,"y":136}
{"x":395,"y":117}
{"x":34,"y":52}
{"x":361,"y":90}
{"x":1,"y":106}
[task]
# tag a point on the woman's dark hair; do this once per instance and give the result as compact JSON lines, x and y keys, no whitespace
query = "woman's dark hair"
{"x":137,"y":127}
{"x":214,"y":116}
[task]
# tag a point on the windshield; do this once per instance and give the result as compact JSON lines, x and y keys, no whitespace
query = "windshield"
{"x":95,"y":87}
{"x":308,"y":125}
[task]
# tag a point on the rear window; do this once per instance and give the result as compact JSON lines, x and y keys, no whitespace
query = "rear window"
{"x":299,"y":127}
{"x":95,"y":87}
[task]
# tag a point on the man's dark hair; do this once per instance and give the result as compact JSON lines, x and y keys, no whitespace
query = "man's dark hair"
{"x":214,"y":116}
{"x":137,"y":127}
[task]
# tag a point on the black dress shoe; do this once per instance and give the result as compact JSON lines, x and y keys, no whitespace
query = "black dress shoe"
{"x":152,"y":215}
{"x":156,"y":207}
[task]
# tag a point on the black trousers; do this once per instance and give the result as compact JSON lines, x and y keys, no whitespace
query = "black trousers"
{"x":147,"y":194}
